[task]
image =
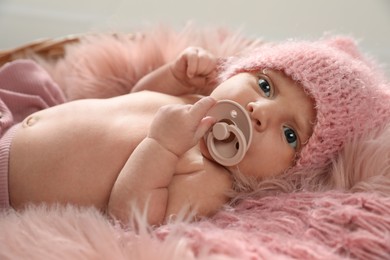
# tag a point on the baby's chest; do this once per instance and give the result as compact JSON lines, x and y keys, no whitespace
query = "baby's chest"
{"x":190,"y":162}
{"x":194,"y":170}
{"x":198,"y":184}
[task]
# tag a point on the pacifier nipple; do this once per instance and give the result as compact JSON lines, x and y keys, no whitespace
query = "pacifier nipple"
{"x":229,"y":139}
{"x":220,"y":131}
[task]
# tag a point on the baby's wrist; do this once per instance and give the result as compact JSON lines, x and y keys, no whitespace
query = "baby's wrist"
{"x":160,"y":147}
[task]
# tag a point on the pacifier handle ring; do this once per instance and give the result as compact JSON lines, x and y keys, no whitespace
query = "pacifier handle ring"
{"x":240,"y":151}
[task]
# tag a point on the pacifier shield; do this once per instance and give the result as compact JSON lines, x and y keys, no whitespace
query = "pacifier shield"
{"x":229,"y":139}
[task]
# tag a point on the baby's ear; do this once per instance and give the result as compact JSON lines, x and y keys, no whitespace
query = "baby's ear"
{"x":345,"y":44}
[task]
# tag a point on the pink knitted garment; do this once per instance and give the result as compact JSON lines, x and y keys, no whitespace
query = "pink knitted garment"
{"x":25,"y":88}
{"x":351,"y":96}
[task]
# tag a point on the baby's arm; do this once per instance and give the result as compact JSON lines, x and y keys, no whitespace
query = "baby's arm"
{"x":194,"y":71}
{"x":145,"y":178}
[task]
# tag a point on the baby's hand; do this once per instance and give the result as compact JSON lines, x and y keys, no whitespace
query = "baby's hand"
{"x":179,"y":127}
{"x":195,"y":68}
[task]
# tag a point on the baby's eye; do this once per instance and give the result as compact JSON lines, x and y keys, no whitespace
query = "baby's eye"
{"x":291,"y":137}
{"x":265,"y":87}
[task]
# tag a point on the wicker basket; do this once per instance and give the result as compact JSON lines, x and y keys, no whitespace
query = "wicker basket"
{"x":47,"y":48}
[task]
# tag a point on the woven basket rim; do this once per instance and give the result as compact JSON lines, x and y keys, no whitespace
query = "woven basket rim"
{"x":48,"y":48}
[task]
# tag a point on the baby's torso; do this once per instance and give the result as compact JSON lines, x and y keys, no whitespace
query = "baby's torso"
{"x":81,"y":146}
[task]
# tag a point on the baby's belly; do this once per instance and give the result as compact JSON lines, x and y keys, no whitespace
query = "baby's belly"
{"x":74,"y":152}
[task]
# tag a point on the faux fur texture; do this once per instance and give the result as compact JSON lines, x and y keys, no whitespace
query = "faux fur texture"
{"x":364,"y":164}
{"x":106,"y":65}
{"x":330,"y":225}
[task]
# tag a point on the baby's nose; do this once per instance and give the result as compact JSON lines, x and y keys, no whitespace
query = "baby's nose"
{"x":257,"y":115}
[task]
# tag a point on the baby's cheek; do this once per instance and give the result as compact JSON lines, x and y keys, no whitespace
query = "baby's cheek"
{"x":263,"y":167}
{"x":204,"y":151}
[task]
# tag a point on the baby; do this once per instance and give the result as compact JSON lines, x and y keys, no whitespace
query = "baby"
{"x":145,"y":150}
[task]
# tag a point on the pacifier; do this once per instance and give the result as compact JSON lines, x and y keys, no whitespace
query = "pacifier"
{"x":228,"y":140}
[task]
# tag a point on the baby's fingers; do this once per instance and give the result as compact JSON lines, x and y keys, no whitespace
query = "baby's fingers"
{"x":199,"y":62}
{"x":200,"y":108}
{"x":199,"y":111}
{"x":207,"y":63}
{"x":192,"y":62}
{"x":204,"y":126}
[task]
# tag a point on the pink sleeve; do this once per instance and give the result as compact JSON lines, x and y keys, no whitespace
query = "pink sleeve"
{"x":25,"y":88}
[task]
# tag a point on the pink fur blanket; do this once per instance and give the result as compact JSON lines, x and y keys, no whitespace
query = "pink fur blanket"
{"x":328,"y":225}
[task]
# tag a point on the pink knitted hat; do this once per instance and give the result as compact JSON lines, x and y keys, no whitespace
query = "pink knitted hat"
{"x":351,"y":96}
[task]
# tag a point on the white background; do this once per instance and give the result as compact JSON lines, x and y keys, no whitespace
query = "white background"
{"x":22,"y":21}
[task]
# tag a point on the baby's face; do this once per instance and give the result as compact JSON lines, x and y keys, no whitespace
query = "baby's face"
{"x":282,"y":116}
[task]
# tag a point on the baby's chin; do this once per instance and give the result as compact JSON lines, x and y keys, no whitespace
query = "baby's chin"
{"x":206,"y":154}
